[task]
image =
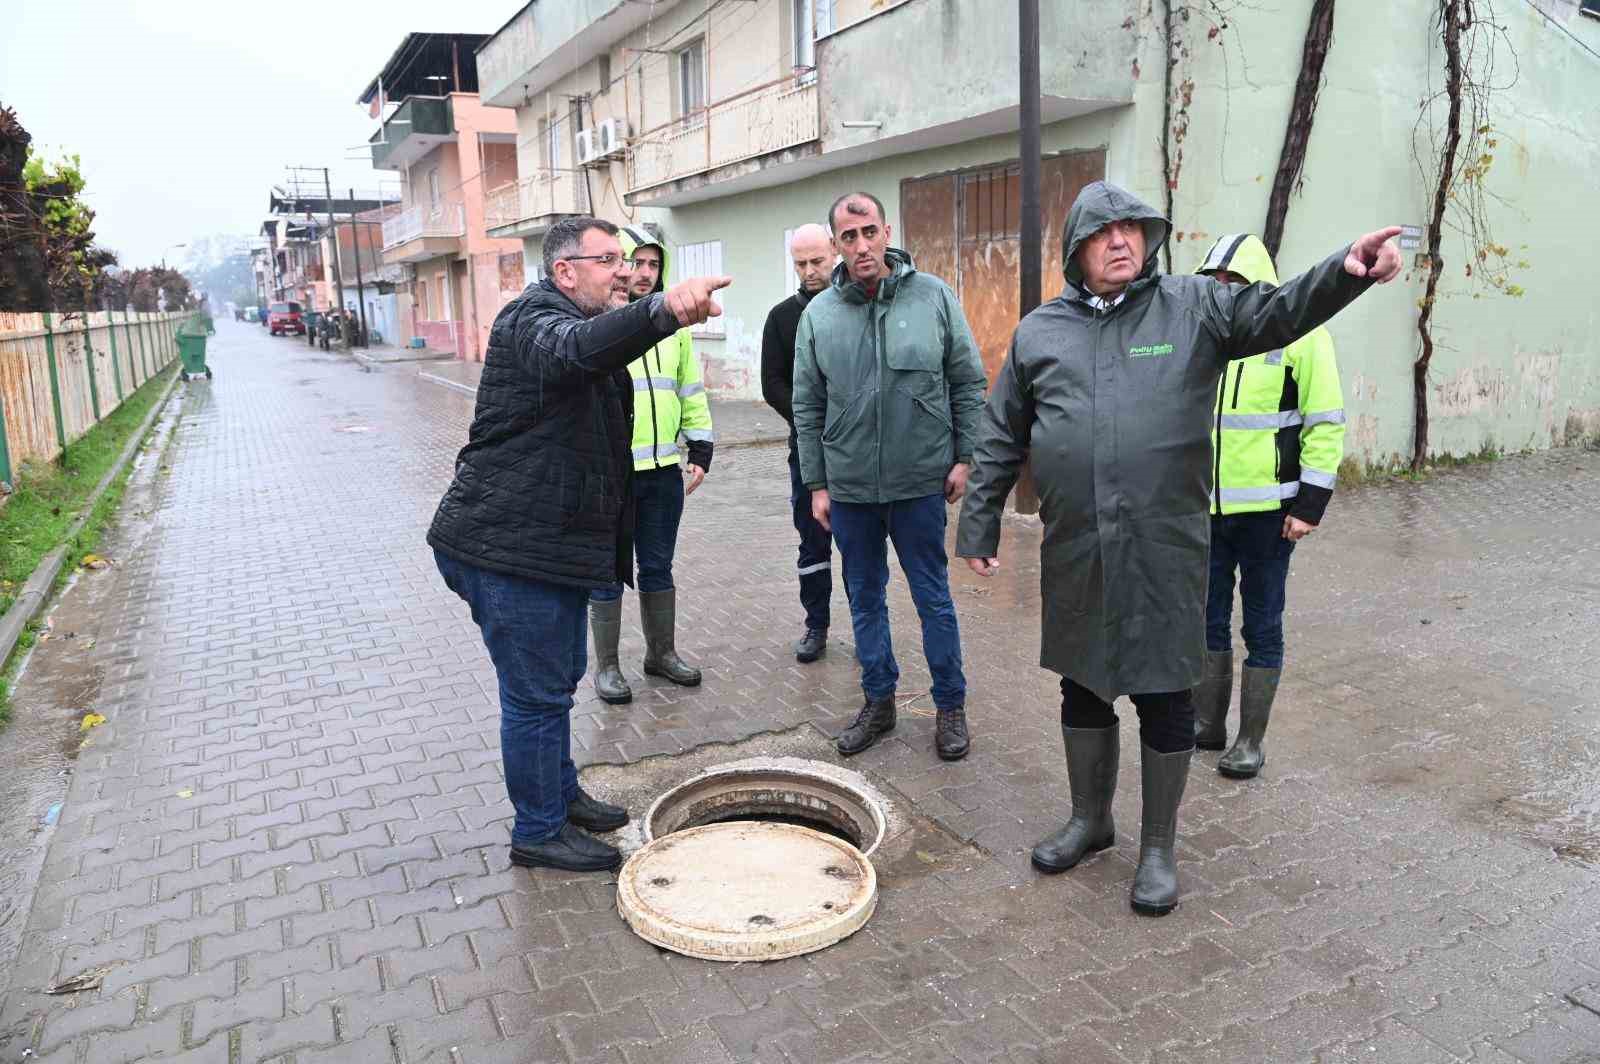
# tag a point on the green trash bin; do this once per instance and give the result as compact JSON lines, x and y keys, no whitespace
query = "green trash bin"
{"x":192,"y":349}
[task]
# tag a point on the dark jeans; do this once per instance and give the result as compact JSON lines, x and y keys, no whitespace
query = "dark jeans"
{"x":917,"y":528}
{"x":658,"y":510}
{"x":815,"y":564}
{"x":1166,"y":719}
{"x":1254,"y":545}
{"x":535,"y":633}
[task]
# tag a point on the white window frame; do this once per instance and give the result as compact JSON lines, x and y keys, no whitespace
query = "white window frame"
{"x":691,"y":117}
{"x":701,"y":260}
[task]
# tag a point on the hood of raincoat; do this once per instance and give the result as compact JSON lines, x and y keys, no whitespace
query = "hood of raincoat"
{"x":1096,"y":207}
{"x":633,"y":238}
{"x":1243,"y":254}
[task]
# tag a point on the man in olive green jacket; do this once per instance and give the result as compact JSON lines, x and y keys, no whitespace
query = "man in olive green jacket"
{"x":888,"y":386}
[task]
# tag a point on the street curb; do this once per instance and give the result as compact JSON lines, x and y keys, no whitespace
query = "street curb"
{"x":434,"y":378}
{"x":36,"y":591}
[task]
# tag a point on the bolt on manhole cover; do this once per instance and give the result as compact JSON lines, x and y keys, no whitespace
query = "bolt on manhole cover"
{"x":756,"y":860}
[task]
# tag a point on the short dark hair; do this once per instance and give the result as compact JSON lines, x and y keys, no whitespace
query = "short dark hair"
{"x":847,"y":201}
{"x":563,"y":239}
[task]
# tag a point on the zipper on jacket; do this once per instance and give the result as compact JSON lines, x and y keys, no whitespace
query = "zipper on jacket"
{"x":1238,"y":379}
{"x":655,"y":428}
{"x":1216,"y":452}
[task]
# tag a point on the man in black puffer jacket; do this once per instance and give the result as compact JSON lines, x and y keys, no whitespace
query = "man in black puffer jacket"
{"x":538,"y":513}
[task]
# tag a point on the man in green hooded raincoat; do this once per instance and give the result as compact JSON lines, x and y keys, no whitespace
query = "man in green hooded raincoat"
{"x":1109,"y":388}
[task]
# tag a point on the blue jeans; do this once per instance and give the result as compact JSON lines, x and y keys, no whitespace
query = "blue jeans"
{"x":1254,"y":545}
{"x":815,"y":563}
{"x":916,"y":526}
{"x":535,"y":632}
{"x":657,"y":512}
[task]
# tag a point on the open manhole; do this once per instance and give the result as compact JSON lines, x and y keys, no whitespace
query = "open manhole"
{"x":755,"y":860}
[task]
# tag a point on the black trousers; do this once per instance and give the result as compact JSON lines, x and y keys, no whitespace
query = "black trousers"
{"x":1166,"y":719}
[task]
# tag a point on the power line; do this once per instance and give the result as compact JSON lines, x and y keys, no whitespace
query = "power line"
{"x":1551,"y":19}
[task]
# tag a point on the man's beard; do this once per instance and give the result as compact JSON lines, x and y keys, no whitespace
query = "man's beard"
{"x":594,"y":310}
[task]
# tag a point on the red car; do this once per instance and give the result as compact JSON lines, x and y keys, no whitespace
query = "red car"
{"x":284,"y":318}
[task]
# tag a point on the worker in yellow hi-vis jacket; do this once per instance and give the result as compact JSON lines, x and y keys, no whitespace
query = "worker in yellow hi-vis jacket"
{"x":1276,"y":447}
{"x":669,"y":402}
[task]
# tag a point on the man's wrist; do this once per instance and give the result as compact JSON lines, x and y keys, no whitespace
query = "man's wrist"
{"x":661,"y":315}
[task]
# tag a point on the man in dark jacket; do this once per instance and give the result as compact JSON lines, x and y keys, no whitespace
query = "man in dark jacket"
{"x":887,"y":390}
{"x":538,"y":514}
{"x":1111,"y":388}
{"x":811,"y":249}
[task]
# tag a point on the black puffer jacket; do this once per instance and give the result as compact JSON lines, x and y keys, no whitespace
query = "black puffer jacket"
{"x":543,"y":485}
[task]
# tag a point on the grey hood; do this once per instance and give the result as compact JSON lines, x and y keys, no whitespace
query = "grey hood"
{"x":1097,"y":206}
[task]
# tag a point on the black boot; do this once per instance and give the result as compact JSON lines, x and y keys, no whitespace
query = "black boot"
{"x":659,"y":612}
{"x":875,"y":720}
{"x":812,"y":646}
{"x":591,"y":814}
{"x":571,"y":850}
{"x":1257,"y":688}
{"x":1211,"y":701}
{"x":1092,"y":755}
{"x":1155,"y":881}
{"x":950,"y":739}
{"x":605,"y":621}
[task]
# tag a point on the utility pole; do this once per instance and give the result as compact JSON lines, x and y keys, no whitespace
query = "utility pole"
{"x":355,"y":240}
{"x":333,"y":226}
{"x":1032,"y":256}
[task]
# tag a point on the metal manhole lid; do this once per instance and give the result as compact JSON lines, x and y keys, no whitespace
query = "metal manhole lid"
{"x":746,"y":891}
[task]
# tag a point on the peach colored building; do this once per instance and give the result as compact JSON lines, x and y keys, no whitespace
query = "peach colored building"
{"x":451,"y":153}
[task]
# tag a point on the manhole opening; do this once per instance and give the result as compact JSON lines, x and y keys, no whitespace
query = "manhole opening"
{"x":772,"y":795}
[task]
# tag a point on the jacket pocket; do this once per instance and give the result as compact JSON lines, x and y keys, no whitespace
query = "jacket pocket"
{"x":909,"y":356}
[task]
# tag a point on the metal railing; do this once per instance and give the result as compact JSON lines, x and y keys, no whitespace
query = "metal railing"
{"x":767,"y":118}
{"x":444,"y":219}
{"x":541,"y":194}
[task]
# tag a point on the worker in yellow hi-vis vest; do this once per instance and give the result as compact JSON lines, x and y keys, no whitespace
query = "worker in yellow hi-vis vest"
{"x":1276,"y":447}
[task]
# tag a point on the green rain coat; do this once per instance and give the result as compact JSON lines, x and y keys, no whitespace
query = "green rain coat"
{"x":1278,"y":428}
{"x":1114,"y":405}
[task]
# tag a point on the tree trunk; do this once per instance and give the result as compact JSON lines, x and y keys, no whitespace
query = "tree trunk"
{"x":1302,"y":111}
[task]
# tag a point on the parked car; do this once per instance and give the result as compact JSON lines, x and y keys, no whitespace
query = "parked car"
{"x":284,"y":318}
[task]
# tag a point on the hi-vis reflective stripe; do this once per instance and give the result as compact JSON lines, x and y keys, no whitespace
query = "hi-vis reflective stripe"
{"x":660,"y":450}
{"x":699,"y":435}
{"x":807,"y":570}
{"x":691,"y":389}
{"x":1325,"y":417}
{"x":1222,"y":251}
{"x":1318,"y":477}
{"x":1270,"y":493}
{"x":645,"y":384}
{"x":1281,"y":420}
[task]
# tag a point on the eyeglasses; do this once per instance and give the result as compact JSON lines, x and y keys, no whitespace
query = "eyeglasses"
{"x":606,"y":261}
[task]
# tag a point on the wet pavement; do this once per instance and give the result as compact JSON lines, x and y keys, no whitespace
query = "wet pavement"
{"x":288,"y":842}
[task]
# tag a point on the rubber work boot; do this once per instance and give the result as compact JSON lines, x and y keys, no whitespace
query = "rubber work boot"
{"x":950,"y":739}
{"x":1155,"y":881}
{"x":1211,"y":701}
{"x":591,"y":814}
{"x":1257,"y":688}
{"x":875,"y":720}
{"x":605,"y":621}
{"x":812,"y":646}
{"x":659,"y":612}
{"x":1092,"y":755}
{"x":571,"y":850}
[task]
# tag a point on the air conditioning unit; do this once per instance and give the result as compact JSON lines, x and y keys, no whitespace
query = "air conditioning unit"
{"x":611,"y":134}
{"x":586,"y":153}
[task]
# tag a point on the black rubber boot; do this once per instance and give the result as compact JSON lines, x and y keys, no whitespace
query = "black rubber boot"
{"x":1155,"y":881}
{"x":875,"y":720}
{"x":605,"y":621}
{"x":659,"y":612}
{"x":812,"y":646}
{"x":591,"y":814}
{"x":1257,"y":688}
{"x":950,"y":738}
{"x":1092,"y":755}
{"x":1211,"y":701}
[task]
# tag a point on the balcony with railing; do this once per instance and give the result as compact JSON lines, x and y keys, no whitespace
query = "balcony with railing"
{"x":424,"y":231}
{"x":757,"y":122}
{"x":418,"y":125}
{"x":531,"y":205}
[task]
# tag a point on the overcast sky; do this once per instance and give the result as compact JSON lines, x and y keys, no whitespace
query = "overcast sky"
{"x":185,"y":113}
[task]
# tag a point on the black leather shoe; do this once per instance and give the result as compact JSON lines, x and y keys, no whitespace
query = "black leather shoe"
{"x":591,"y":814}
{"x":875,"y":720}
{"x":950,"y":738}
{"x":812,"y":647}
{"x":571,"y":850}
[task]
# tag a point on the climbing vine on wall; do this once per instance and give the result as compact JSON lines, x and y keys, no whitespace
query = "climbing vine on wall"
{"x":1454,"y":144}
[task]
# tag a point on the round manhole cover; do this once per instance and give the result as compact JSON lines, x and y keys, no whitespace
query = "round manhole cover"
{"x":746,"y":891}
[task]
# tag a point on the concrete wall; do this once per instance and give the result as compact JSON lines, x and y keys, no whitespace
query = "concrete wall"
{"x":1507,"y":372}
